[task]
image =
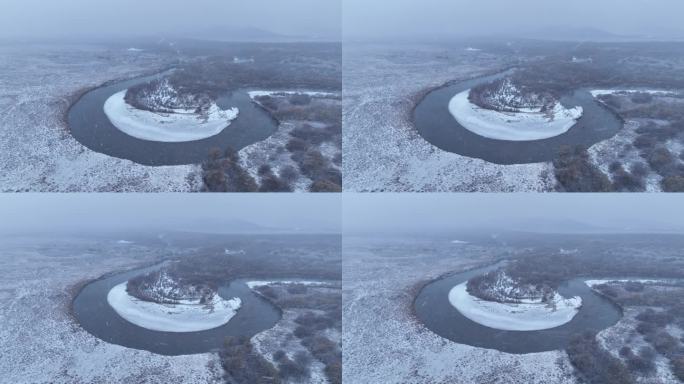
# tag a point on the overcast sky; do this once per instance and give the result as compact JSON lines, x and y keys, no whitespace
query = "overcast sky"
{"x":55,"y":18}
{"x":486,"y":17}
{"x":429,"y":213}
{"x":195,"y":212}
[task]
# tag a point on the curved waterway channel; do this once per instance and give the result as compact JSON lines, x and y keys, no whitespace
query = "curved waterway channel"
{"x":435,"y":124}
{"x":96,"y":316}
{"x":89,"y":124}
{"x":436,"y":312}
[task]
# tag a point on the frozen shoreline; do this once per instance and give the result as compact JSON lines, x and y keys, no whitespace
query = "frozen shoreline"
{"x":182,"y":317}
{"x":179,"y":126}
{"x":261,"y":283}
{"x":255,"y":94}
{"x":596,"y":282}
{"x":653,"y":92}
{"x":514,"y":317}
{"x":520,"y":126}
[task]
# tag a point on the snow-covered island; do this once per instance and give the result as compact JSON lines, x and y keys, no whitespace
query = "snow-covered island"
{"x":168,"y":116}
{"x":513,"y":307}
{"x":511,"y":115}
{"x":172,"y":309}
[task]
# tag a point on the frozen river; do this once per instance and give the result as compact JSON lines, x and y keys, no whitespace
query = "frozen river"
{"x":89,"y":124}
{"x":436,"y":124}
{"x":434,"y":310}
{"x":96,"y":316}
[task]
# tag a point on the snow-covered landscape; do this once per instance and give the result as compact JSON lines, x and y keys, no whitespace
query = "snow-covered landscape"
{"x":42,"y":340}
{"x":384,"y":149}
{"x":37,"y":153}
{"x":382,"y":277}
{"x":387,"y":277}
{"x":184,"y":316}
{"x":41,"y":83}
{"x":522,"y":125}
{"x":177,"y":125}
{"x":278,"y":150}
{"x":529,"y":315}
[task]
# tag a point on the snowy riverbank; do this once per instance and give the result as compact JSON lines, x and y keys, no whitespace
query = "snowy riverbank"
{"x":181,"y":125}
{"x":186,"y":316}
{"x":526,"y":125}
{"x":259,"y":283}
{"x":525,"y":316}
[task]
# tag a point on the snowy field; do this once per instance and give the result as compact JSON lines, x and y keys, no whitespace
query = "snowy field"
{"x":382,"y":150}
{"x":273,"y":151}
{"x":524,"y":316}
{"x":389,"y":345}
{"x":41,"y":341}
{"x":37,"y":153}
{"x":525,"y":125}
{"x":185,"y":316}
{"x":624,"y":334}
{"x":620,"y":148}
{"x":281,"y":336}
{"x":181,"y":125}
{"x":258,"y":283}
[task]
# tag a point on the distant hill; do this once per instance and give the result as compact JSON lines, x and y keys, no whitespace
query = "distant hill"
{"x":247,"y":34}
{"x":227,"y":33}
{"x":562,"y":33}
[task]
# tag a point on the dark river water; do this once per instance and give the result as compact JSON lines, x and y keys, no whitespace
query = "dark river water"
{"x":435,"y":123}
{"x":96,"y":316}
{"x":91,"y":127}
{"x":436,"y":312}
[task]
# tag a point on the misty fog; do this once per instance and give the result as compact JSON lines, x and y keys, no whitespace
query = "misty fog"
{"x":177,"y":18}
{"x":525,"y":18}
{"x":27,"y":213}
{"x":427,"y":213}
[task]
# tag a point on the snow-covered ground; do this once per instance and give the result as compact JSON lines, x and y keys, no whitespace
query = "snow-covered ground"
{"x":389,"y":345}
{"x":280,"y":337}
{"x":180,"y":125}
{"x":185,"y":316}
{"x":596,"y":282}
{"x":37,"y":153}
{"x":383,"y":151}
{"x":273,"y":152}
{"x":654,"y":92}
{"x":42,"y":343}
{"x":258,"y":283}
{"x":524,"y":316}
{"x":621,"y":149}
{"x":624,"y":334}
{"x":254,"y":94}
{"x":525,"y":125}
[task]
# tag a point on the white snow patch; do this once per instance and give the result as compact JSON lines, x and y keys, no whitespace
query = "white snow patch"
{"x":257,"y":283}
{"x":187,"y":316}
{"x":132,"y":49}
{"x":655,"y":92}
{"x":180,"y":126}
{"x":513,"y":126}
{"x":471,"y":49}
{"x":242,"y":60}
{"x":231,"y":252}
{"x":124,"y":242}
{"x":254,"y":94}
{"x":597,"y":282}
{"x":514,"y":316}
{"x":458,"y":242}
